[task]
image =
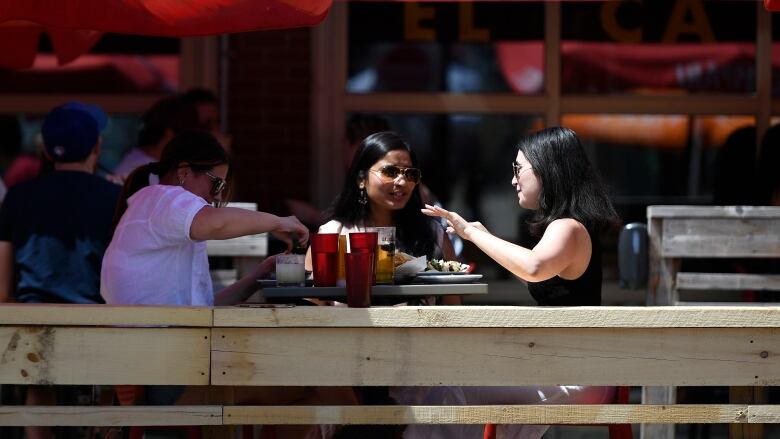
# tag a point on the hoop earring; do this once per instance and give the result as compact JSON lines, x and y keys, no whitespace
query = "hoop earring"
{"x":363,"y":195}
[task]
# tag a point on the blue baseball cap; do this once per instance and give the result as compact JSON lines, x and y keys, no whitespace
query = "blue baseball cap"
{"x":71,"y":131}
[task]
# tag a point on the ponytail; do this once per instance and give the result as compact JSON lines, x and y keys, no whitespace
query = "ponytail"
{"x":137,"y":180}
{"x":199,"y":149}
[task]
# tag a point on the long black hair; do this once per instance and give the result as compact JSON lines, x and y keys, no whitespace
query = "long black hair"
{"x":570,"y":186}
{"x":414,"y":230}
{"x":199,"y":149}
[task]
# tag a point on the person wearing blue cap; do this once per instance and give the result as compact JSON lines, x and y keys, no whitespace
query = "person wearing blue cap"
{"x":55,"y":228}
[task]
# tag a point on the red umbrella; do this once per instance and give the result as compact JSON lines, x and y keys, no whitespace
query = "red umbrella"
{"x":76,"y":25}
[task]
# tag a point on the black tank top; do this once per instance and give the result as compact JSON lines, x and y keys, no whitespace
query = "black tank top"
{"x":583,"y":291}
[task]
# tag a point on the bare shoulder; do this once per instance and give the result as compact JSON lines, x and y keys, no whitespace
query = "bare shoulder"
{"x":567,"y":227}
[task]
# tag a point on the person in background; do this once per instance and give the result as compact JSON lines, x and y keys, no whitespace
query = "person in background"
{"x":18,"y":166}
{"x":552,"y":176}
{"x":55,"y":228}
{"x":207,"y":106}
{"x":10,"y":140}
{"x":209,"y":117}
{"x":166,"y":118}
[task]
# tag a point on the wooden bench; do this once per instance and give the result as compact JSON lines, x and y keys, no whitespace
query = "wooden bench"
{"x":411,"y":346}
{"x":680,"y":232}
{"x":677,"y":233}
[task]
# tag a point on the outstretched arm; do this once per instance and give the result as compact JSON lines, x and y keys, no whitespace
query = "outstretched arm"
{"x":554,"y":253}
{"x":228,"y":222}
{"x":246,"y":286}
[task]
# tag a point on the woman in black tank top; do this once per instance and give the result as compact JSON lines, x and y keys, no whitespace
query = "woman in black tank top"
{"x":553,"y":177}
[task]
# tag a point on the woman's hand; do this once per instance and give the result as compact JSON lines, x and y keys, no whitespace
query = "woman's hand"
{"x":265,"y":268}
{"x":455,"y":222}
{"x":288,"y":226}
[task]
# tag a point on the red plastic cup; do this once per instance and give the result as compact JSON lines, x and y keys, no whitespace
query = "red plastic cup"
{"x":325,"y":258}
{"x":362,"y":242}
{"x":360,"y":269}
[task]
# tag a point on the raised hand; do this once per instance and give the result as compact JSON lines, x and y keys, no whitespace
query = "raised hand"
{"x":455,"y":222}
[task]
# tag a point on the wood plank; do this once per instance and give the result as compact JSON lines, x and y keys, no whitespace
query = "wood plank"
{"x":660,"y":282}
{"x":495,"y":356}
{"x":103,"y":315}
{"x":720,"y":238}
{"x":724,"y":304}
{"x":747,"y":396}
{"x":86,"y":355}
{"x":763,"y":414}
{"x":496,"y":414}
{"x":254,"y":245}
{"x":501,"y":317}
{"x":663,"y":212}
{"x":658,"y":395}
{"x":99,"y":416}
{"x":728,"y":281}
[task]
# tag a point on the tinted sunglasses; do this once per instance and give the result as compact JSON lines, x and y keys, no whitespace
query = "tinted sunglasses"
{"x":217,"y":184}
{"x":391,"y":172}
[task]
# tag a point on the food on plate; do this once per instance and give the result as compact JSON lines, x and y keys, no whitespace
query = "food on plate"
{"x":400,"y":258}
{"x":447,"y":266}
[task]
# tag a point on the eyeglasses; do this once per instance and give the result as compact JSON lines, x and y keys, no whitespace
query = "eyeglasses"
{"x":217,"y":183}
{"x":391,"y":172}
{"x":517,"y":169}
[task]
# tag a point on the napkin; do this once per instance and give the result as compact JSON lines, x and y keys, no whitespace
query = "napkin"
{"x":411,"y":268}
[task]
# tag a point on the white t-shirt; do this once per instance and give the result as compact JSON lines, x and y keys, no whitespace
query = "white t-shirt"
{"x":152,"y":260}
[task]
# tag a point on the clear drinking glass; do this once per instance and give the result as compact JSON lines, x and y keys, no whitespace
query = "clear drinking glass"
{"x":385,"y":250}
{"x":290,"y":270}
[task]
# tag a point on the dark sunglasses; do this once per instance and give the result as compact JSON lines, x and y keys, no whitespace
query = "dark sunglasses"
{"x":217,"y":184}
{"x":391,"y":172}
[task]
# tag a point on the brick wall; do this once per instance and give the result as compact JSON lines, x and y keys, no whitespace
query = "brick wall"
{"x":269,"y":116}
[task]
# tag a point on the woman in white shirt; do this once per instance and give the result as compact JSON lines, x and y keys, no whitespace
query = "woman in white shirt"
{"x":157,"y":255}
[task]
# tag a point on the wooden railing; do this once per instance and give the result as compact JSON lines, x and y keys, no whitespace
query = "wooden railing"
{"x":412,"y":346}
{"x":685,"y":233}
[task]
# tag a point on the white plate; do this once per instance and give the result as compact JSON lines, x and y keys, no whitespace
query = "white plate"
{"x":442,"y":278}
{"x":442,"y":273}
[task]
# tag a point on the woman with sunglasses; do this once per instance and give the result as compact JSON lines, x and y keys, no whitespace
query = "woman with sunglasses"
{"x":553,"y":177}
{"x":157,"y":255}
{"x":382,"y":189}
